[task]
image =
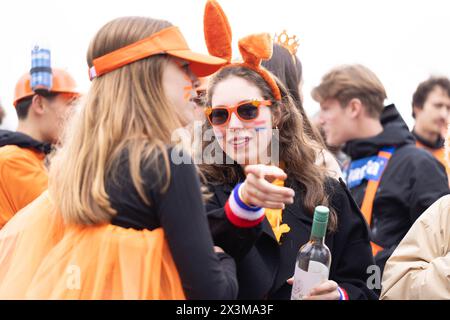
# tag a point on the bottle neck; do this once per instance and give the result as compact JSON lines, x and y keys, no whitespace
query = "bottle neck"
{"x":317,"y":239}
{"x":318,"y":231}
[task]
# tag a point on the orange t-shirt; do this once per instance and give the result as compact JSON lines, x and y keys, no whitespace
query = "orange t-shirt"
{"x":23,"y":177}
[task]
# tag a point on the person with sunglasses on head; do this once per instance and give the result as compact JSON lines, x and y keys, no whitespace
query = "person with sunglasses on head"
{"x":246,"y":106}
{"x":120,"y":219}
{"x":23,"y":153}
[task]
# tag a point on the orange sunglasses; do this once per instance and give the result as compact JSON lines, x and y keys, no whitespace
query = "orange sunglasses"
{"x":246,"y":111}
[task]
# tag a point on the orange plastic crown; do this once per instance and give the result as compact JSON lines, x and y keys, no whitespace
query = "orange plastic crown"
{"x":290,"y":43}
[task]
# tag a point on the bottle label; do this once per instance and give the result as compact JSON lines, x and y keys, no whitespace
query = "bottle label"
{"x":304,"y":281}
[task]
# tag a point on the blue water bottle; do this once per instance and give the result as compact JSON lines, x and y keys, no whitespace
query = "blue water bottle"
{"x":41,"y":70}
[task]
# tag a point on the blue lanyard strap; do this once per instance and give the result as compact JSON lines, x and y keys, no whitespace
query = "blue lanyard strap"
{"x":370,"y":168}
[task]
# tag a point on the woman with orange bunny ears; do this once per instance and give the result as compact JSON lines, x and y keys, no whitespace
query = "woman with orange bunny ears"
{"x":120,"y":219}
{"x":246,"y":106}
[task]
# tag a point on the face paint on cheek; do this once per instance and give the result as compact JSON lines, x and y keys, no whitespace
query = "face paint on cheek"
{"x":260,"y":125}
{"x":189,"y":93}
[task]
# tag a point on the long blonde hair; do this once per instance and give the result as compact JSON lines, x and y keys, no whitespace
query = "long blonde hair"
{"x":125,"y":109}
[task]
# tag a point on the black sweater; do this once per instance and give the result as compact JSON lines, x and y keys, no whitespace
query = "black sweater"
{"x":180,"y":212}
{"x":263,"y":265}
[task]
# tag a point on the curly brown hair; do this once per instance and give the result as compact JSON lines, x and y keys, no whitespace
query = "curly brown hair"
{"x":297,"y":150}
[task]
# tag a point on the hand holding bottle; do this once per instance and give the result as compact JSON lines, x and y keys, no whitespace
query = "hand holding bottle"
{"x":327,"y":290}
{"x":313,"y":263}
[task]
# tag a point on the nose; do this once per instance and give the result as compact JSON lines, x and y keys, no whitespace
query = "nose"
{"x":321,"y":118}
{"x":235,"y":123}
{"x":445,"y":112}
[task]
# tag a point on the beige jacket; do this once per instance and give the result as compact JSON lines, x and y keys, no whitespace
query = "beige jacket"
{"x":420,"y":266}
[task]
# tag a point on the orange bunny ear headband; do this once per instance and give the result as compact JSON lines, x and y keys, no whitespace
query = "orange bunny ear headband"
{"x":253,"y":48}
{"x":167,"y":41}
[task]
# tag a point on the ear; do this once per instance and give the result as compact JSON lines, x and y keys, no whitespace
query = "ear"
{"x":217,"y":31}
{"x":355,"y":108}
{"x":417,"y":110}
{"x":37,"y":104}
{"x":255,"y":48}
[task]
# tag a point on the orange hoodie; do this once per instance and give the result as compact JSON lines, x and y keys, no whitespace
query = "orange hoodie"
{"x":23,"y":176}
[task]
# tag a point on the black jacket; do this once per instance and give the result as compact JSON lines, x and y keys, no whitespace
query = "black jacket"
{"x":23,"y":141}
{"x":411,"y":182}
{"x":439,"y":144}
{"x":263,"y":265}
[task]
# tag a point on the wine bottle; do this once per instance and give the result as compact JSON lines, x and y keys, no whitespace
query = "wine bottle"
{"x":313,"y":259}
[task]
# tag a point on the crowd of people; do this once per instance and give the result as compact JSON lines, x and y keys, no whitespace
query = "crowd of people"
{"x":95,"y":204}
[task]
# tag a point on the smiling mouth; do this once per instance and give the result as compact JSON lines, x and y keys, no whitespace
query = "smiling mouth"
{"x":239,"y":142}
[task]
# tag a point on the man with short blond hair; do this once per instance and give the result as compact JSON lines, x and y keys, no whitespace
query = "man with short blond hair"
{"x":392,"y":181}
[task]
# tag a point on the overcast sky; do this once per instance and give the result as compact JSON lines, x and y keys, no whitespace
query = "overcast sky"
{"x":404,"y":42}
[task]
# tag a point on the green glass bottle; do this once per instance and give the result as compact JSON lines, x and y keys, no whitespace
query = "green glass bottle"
{"x":314,"y":258}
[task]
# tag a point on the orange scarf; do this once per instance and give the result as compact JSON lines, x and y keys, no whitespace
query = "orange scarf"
{"x":275,"y":217}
